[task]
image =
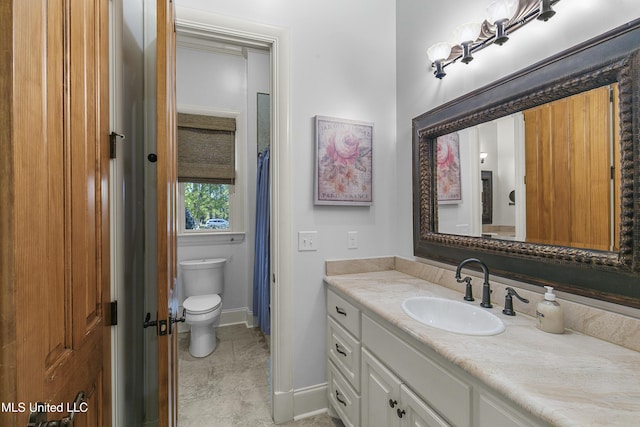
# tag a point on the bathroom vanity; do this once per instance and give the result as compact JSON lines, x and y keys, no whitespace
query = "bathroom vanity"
{"x":386,"y":369}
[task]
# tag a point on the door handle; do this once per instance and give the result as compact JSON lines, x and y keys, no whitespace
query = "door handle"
{"x":339,"y":350}
{"x":340,"y":400}
{"x":176,"y":319}
{"x":38,"y":418}
{"x":160,"y":324}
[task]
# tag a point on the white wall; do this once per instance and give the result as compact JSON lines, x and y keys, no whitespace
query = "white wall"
{"x":505,"y":179}
{"x":458,"y":217}
{"x":342,"y":65}
{"x":421,"y":24}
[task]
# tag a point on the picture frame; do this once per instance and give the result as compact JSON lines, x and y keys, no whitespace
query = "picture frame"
{"x":448,"y":169}
{"x":344,"y":160}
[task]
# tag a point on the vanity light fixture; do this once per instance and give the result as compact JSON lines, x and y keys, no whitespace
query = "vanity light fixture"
{"x":438,"y":53}
{"x":504,"y":17}
{"x":545,"y":10}
{"x":499,"y":13}
{"x":466,"y":34}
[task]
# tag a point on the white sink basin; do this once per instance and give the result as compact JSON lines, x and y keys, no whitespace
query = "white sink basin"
{"x":453,"y":316}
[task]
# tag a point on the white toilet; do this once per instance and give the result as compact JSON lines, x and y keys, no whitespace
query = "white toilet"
{"x":203,"y":281}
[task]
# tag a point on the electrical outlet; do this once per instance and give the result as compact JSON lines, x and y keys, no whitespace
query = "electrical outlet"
{"x":352,"y":240}
{"x":307,"y":241}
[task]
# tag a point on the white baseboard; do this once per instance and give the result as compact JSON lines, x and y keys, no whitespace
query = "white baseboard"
{"x":235,"y":316}
{"x":282,"y":407}
{"x":310,"y":401}
{"x":300,"y":404}
{"x":228,"y":317}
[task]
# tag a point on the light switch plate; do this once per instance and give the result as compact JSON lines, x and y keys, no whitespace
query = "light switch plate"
{"x":352,"y":240}
{"x":307,"y":241}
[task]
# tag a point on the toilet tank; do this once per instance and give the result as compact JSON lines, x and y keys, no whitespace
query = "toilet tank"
{"x":202,"y":276}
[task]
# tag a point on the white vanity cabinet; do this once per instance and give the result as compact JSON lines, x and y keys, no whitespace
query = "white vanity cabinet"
{"x":379,"y":376}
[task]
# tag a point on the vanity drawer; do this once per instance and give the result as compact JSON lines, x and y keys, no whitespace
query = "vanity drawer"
{"x":344,"y":313}
{"x":344,"y":351}
{"x":344,"y":399}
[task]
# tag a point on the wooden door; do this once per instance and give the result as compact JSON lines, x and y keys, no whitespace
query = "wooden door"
{"x":54,"y":259}
{"x":568,"y":171}
{"x":166,"y":173}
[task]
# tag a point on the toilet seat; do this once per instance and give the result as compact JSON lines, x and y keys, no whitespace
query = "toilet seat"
{"x":201,"y":304}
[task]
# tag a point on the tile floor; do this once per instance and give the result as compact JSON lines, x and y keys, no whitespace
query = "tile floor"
{"x":230,"y":387}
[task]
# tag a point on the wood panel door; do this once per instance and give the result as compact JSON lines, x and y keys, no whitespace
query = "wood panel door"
{"x":55,"y":211}
{"x":166,"y":174}
{"x":569,"y":182}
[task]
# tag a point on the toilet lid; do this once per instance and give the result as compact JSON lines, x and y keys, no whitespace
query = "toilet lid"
{"x":202,"y":303}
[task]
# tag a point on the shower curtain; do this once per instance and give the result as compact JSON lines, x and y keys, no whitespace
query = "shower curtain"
{"x":261,"y":297}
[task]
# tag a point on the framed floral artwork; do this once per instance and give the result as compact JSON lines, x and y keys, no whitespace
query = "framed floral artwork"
{"x":343,"y":162}
{"x":448,"y":169}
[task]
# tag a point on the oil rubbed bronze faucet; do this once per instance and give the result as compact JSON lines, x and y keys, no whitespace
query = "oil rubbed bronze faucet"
{"x":486,"y":288}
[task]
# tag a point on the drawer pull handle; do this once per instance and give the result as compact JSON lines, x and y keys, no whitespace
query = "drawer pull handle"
{"x":339,"y":350}
{"x":340,"y":311}
{"x":393,"y":403}
{"x":400,"y":412}
{"x":340,"y":400}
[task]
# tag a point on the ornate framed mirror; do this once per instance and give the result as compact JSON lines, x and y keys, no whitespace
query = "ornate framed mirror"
{"x":555,"y":128}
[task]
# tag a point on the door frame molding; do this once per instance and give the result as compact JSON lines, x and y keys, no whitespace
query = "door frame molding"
{"x":200,"y":24}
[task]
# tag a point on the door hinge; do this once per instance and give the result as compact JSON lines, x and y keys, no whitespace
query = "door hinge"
{"x":112,"y":143}
{"x":113,"y":309}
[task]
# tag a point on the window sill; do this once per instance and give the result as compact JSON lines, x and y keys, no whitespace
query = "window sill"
{"x":205,"y":239}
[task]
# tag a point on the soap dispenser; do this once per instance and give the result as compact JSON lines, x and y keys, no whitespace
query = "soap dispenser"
{"x":549,"y":313}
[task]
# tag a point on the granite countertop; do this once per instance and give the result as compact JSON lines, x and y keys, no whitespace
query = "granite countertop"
{"x":568,"y":379}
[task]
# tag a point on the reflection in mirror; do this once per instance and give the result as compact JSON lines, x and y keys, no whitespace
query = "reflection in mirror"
{"x":558,"y":159}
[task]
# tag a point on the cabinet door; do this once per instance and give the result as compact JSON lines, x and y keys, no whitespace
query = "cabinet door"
{"x":416,"y":413}
{"x":380,"y":394}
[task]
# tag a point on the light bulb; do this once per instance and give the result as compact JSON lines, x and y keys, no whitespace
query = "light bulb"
{"x":501,"y":9}
{"x":439,"y":51}
{"x":467,"y":32}
{"x":499,"y":13}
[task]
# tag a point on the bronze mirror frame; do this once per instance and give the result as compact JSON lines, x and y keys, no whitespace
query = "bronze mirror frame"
{"x":609,"y":276}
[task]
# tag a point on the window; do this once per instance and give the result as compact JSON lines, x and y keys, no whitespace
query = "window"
{"x":206,"y":172}
{"x":206,"y":206}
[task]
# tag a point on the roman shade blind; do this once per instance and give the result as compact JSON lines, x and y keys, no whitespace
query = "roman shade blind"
{"x":206,"y":149}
